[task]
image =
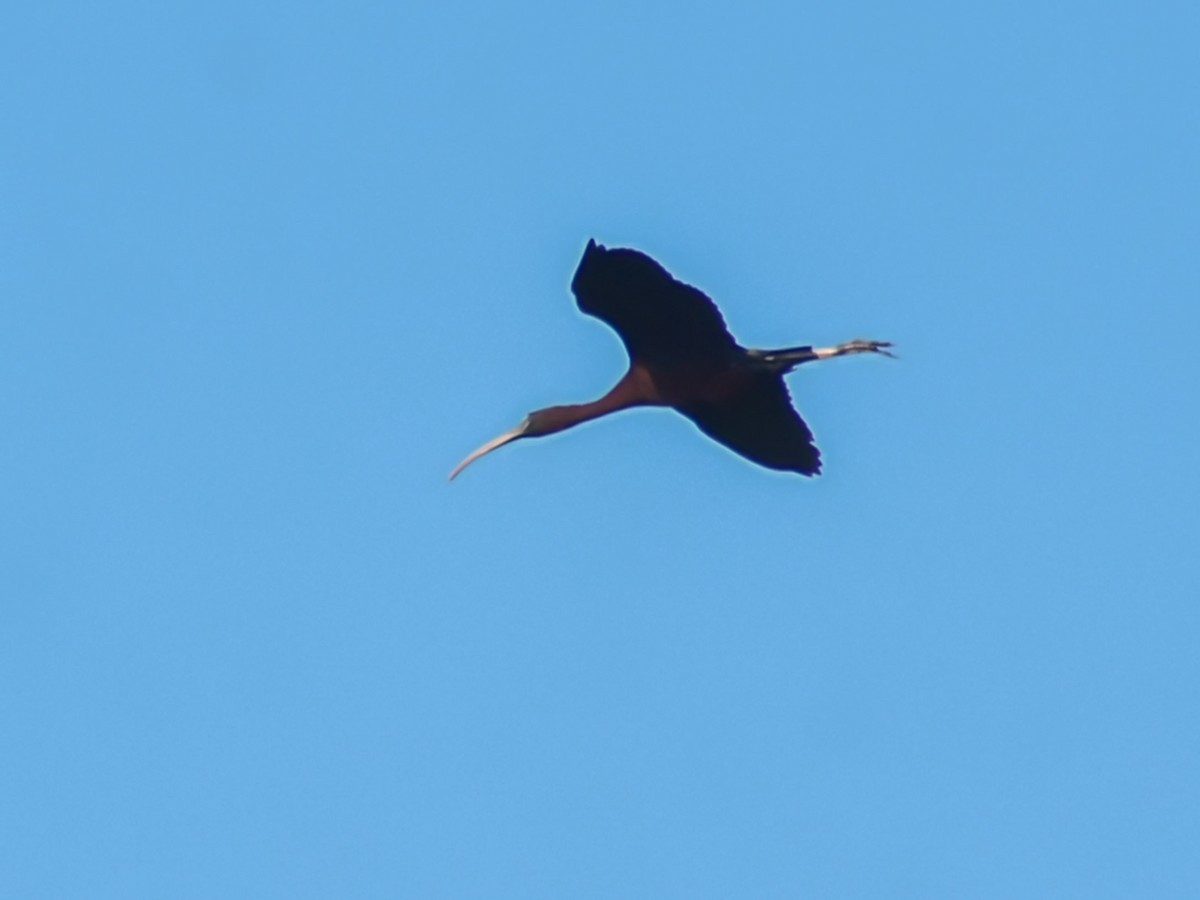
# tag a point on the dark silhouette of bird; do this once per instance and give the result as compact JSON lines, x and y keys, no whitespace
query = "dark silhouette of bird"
{"x":681,"y":355}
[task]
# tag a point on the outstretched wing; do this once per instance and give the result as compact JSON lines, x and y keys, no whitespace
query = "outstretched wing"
{"x":761,"y":424}
{"x":657,"y":317}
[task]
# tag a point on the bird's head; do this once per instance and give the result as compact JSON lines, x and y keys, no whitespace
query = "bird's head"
{"x":536,"y":424}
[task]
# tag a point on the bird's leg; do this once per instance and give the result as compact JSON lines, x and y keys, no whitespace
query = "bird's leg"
{"x":858,"y":345}
{"x":786,"y":359}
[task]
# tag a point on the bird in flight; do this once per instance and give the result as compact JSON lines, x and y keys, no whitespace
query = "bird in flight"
{"x":681,"y":355}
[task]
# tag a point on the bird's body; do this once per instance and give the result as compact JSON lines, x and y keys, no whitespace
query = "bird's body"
{"x":681,"y":355}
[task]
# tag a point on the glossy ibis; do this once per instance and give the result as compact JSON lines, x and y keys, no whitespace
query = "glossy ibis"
{"x":681,"y":355}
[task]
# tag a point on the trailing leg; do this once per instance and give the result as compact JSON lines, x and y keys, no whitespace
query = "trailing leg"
{"x":788,"y":358}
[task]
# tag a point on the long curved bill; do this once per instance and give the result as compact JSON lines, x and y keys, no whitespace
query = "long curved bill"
{"x":495,"y":443}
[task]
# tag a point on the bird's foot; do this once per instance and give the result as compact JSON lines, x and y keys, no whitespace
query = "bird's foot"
{"x":862,"y":345}
{"x":858,"y":345}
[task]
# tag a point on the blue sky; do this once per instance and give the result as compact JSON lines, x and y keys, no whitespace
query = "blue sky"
{"x":268,"y":272}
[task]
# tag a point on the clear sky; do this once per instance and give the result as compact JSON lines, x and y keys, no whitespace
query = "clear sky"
{"x":269,"y":270}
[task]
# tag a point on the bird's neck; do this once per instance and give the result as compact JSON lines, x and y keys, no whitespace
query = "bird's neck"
{"x":633,"y":389}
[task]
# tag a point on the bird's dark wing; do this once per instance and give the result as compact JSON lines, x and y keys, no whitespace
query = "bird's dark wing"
{"x":760,"y":424}
{"x":658,"y":318}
